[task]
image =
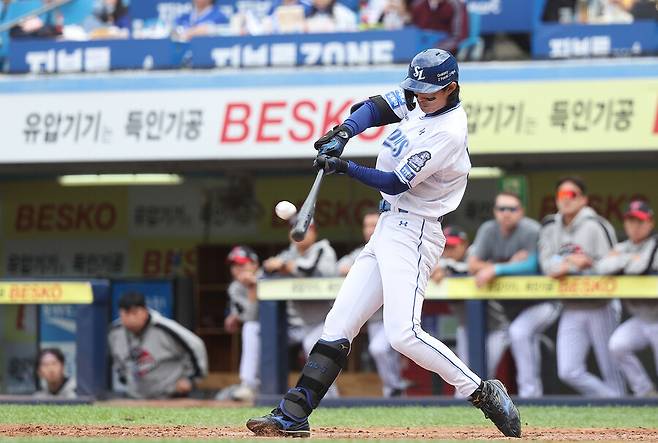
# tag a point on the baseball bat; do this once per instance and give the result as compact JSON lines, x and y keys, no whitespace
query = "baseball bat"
{"x":306,"y":212}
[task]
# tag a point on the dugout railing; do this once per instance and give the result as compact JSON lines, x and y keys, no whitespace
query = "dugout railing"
{"x":274,"y":293}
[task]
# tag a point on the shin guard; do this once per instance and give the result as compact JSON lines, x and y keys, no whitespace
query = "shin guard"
{"x":325,"y":362}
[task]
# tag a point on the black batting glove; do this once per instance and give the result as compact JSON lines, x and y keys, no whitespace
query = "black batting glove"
{"x":333,"y":142}
{"x":330,"y":164}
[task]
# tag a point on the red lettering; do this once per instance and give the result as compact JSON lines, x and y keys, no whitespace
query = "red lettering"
{"x":151,"y":264}
{"x":24,"y":216}
{"x":264,"y":120}
{"x":361,"y":207}
{"x":323,"y":213}
{"x":45,"y":217}
{"x":372,"y":134}
{"x":240,"y":121}
{"x":84,"y":216}
{"x":190,"y":262}
{"x":65,"y":217}
{"x":342,"y":214}
{"x":106,"y":216}
{"x":308,"y":123}
{"x":334,"y":118}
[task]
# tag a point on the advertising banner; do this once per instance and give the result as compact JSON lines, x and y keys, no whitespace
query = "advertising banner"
{"x":282,"y":122}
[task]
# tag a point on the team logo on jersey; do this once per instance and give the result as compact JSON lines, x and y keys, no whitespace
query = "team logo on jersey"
{"x":407,"y":173}
{"x":397,"y":142}
{"x":418,"y":73}
{"x":417,"y":161}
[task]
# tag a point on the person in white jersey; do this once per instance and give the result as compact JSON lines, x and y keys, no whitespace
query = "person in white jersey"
{"x":421,"y":173}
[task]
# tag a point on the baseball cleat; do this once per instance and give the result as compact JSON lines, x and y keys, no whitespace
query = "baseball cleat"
{"x":277,"y":424}
{"x":492,"y":398}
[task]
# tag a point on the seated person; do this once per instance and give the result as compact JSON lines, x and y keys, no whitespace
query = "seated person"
{"x":449,"y":16}
{"x":155,"y":356}
{"x":48,"y":25}
{"x":636,"y":256}
{"x":330,"y":16}
{"x":50,"y":368}
{"x":389,"y":14}
{"x":202,"y":20}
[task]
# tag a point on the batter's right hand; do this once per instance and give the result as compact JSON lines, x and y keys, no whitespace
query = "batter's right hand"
{"x":330,"y":164}
{"x":333,"y":142}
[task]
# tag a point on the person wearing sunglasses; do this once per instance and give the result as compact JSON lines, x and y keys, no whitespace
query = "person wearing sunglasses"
{"x":507,"y":245}
{"x":636,"y":256}
{"x":570,"y":243}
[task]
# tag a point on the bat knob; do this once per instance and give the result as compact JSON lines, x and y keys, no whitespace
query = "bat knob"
{"x":298,"y":234}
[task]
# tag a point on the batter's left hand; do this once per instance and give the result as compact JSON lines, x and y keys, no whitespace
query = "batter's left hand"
{"x":333,"y":142}
{"x":330,"y":164}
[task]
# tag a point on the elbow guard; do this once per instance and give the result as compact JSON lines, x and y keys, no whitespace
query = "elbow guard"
{"x":387,"y":116}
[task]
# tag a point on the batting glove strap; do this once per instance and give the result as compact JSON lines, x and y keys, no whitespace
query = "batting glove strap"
{"x":333,"y":142}
{"x":330,"y":164}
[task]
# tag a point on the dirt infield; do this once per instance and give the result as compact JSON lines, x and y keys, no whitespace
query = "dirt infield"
{"x":445,"y":433}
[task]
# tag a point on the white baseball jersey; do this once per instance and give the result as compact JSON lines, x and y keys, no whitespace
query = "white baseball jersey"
{"x":430,"y":155}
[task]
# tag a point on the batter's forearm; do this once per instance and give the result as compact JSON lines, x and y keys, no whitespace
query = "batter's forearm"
{"x":386,"y":182}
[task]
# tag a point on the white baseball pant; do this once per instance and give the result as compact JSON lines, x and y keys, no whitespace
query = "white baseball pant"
{"x":387,"y":359}
{"x":577,"y":331}
{"x":393,"y":270}
{"x":630,"y":337}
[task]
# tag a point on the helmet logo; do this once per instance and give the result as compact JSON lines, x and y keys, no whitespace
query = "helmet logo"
{"x":418,"y":73}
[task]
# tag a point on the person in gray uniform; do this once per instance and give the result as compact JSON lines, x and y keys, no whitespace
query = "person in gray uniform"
{"x":387,"y":359}
{"x":507,"y":245}
{"x":636,"y":256}
{"x":155,"y":356}
{"x":308,"y":258}
{"x":50,"y":368}
{"x":571,"y":242}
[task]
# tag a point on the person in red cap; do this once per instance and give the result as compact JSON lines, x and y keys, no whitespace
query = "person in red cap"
{"x":244,"y":313}
{"x":635,"y":256}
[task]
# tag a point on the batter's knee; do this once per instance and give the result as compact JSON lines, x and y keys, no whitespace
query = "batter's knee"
{"x":401,"y":338}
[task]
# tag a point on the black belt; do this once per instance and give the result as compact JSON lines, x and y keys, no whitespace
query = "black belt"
{"x":385,"y":206}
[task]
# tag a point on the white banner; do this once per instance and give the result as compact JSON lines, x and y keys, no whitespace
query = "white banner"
{"x":195,"y":124}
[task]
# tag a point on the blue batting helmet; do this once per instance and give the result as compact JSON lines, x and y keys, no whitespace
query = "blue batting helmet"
{"x":430,"y":71}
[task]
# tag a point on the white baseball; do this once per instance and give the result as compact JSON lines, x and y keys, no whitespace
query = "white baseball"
{"x":284,"y":209}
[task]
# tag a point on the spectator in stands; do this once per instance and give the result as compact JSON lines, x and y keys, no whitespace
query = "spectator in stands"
{"x":202,"y":20}
{"x":453,"y":263}
{"x":244,"y":313}
{"x":507,"y":245}
{"x":448,"y":16}
{"x":113,"y":13}
{"x":387,"y":360}
{"x":586,"y":11}
{"x":286,"y":16}
{"x":635,"y":256}
{"x":50,"y":368}
{"x":571,"y":242}
{"x":308,"y":258}
{"x":640,"y":9}
{"x":155,"y":356}
{"x":48,"y":25}
{"x":387,"y":14}
{"x":330,"y":16}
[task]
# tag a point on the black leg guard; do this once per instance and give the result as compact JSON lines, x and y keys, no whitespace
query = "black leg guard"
{"x":325,"y":362}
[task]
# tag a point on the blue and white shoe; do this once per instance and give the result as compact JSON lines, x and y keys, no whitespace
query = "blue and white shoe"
{"x":277,"y":424}
{"x":492,"y":398}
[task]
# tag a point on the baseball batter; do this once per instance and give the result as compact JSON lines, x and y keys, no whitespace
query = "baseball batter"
{"x":421,"y":172}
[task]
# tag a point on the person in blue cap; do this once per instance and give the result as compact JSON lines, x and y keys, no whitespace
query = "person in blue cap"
{"x":421,"y":172}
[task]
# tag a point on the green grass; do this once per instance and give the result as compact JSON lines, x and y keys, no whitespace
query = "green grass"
{"x":594,"y":417}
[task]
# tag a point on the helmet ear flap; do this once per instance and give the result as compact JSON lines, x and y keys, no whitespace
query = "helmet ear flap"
{"x":410,"y":99}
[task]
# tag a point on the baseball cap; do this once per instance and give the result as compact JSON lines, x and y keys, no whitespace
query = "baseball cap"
{"x":430,"y":71}
{"x":639,"y":209}
{"x":241,"y":255}
{"x":454,"y":235}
